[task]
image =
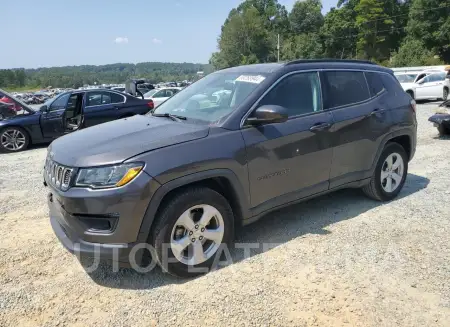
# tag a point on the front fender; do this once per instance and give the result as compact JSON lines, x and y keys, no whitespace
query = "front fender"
{"x":164,"y":189}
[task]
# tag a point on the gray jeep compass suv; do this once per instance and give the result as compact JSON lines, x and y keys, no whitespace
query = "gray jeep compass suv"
{"x":223,"y":152}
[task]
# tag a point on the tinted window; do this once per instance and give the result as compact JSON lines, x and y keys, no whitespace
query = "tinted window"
{"x":94,"y":99}
{"x":375,"y":83}
{"x":299,"y":93}
{"x":437,"y":77}
{"x":391,"y":84}
{"x":345,"y":88}
{"x":116,"y":98}
{"x":60,"y":102}
{"x":106,"y":98}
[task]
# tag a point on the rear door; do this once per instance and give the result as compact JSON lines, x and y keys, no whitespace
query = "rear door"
{"x":428,"y":88}
{"x":52,"y":123}
{"x":101,"y":107}
{"x":290,"y":160}
{"x":361,"y":119}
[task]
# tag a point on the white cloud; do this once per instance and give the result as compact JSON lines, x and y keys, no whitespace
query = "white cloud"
{"x":121,"y":40}
{"x":156,"y":41}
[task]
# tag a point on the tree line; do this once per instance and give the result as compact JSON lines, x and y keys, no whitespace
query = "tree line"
{"x":390,"y":32}
{"x":77,"y":76}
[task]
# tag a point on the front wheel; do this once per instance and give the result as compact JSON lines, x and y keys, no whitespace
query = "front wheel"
{"x":13,"y":139}
{"x":389,"y":175}
{"x":191,"y":231}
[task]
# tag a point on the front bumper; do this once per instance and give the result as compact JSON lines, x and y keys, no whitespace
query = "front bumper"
{"x":101,"y":223}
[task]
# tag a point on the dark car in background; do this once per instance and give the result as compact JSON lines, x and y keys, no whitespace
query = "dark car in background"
{"x":20,"y":125}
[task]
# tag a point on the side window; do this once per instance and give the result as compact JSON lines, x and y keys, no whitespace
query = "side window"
{"x":299,"y":93}
{"x":159,"y":94}
{"x":116,"y":98}
{"x":94,"y":99}
{"x":343,"y":88}
{"x":106,"y":98}
{"x":375,"y":83}
{"x":72,"y":103}
{"x":59,"y":103}
{"x":392,"y":85}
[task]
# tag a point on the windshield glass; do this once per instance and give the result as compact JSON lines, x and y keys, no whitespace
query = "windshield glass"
{"x":150,"y":93}
{"x":213,"y":97}
{"x":406,"y":78}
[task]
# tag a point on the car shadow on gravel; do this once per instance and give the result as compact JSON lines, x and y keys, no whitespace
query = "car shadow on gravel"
{"x":274,"y":229}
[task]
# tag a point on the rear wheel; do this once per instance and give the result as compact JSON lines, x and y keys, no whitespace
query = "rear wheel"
{"x":389,"y":175}
{"x":190,"y":231}
{"x":445,"y":94}
{"x":13,"y":139}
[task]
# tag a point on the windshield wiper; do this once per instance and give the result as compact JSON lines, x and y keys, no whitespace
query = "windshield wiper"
{"x":173,"y":117}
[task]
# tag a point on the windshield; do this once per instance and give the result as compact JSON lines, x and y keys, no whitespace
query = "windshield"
{"x":213,"y":97}
{"x":406,"y":78}
{"x":150,"y":93}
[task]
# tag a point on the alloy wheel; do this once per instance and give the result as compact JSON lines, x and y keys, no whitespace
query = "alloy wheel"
{"x":392,"y":172}
{"x":197,"y":234}
{"x":13,"y":139}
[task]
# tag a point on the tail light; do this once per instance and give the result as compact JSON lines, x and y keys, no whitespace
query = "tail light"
{"x":150,"y":104}
{"x":413,"y":105}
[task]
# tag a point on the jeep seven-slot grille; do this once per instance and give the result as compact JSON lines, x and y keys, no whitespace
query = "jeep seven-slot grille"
{"x":58,"y":175}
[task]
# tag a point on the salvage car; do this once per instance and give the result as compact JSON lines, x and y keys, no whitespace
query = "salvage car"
{"x":426,"y":85}
{"x":182,"y":177}
{"x":21,"y":125}
{"x":441,"y":120}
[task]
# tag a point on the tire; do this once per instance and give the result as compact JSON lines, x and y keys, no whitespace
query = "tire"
{"x":445,"y":94}
{"x":411,"y":94}
{"x":22,"y":139}
{"x":166,"y":229}
{"x":378,"y":189}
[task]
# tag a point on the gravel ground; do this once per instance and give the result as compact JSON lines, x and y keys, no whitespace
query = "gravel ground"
{"x":337,"y":260}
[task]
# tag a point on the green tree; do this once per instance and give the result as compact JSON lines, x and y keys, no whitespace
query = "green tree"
{"x":413,"y":53}
{"x":306,"y":17}
{"x":429,"y":20}
{"x":373,"y":24}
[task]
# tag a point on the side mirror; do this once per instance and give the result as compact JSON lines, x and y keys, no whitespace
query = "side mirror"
{"x":43,"y":108}
{"x":268,"y":114}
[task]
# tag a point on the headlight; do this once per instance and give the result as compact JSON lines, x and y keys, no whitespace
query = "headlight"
{"x":108,"y":176}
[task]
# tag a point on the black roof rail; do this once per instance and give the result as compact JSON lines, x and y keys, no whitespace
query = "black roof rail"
{"x":352,"y":61}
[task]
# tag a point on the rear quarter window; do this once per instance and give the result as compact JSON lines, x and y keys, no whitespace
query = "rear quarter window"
{"x":391,"y":84}
{"x":375,"y":83}
{"x":344,"y":88}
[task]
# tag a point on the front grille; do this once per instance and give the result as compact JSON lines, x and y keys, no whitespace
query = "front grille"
{"x":58,"y":175}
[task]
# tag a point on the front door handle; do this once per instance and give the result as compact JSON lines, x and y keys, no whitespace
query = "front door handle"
{"x":319,"y":127}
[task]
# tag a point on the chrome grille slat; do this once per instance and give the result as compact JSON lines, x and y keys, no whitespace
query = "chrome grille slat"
{"x":59,"y":175}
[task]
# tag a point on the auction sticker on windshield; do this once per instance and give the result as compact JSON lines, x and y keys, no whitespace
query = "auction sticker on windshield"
{"x":250,"y":79}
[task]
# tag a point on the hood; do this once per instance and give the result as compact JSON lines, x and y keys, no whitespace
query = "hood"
{"x":408,"y":86}
{"x":119,"y":140}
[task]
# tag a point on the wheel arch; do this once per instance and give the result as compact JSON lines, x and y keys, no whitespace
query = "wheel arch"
{"x":23,"y":128}
{"x":223,"y":181}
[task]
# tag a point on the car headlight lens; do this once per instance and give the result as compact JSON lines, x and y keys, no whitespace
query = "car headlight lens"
{"x":108,"y":176}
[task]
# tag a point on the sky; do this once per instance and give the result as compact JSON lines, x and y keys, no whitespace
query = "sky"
{"x":49,"y":33}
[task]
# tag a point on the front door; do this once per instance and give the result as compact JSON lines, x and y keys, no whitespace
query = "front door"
{"x":290,"y":160}
{"x":52,"y":120}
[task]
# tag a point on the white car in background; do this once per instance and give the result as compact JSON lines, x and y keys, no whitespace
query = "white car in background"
{"x":426,"y":84}
{"x":158,"y":96}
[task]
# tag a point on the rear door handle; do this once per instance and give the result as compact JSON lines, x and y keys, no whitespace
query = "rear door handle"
{"x":376,"y":112}
{"x":319,"y":127}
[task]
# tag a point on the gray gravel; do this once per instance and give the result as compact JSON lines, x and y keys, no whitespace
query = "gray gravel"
{"x":337,"y":260}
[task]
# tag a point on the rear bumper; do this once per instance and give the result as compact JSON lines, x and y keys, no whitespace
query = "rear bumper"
{"x":102,"y":224}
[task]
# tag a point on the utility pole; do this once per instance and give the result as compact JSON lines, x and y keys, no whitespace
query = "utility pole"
{"x":278,"y":47}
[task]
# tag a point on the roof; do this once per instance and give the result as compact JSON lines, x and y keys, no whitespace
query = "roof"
{"x":307,"y":64}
